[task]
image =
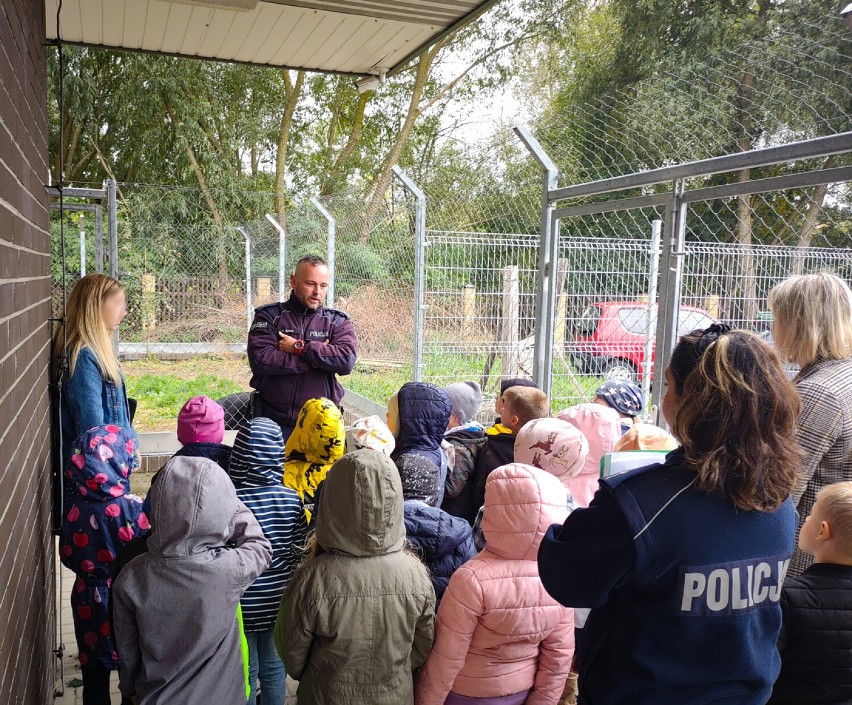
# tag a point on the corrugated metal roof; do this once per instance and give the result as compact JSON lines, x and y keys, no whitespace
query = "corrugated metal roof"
{"x":341,"y":36}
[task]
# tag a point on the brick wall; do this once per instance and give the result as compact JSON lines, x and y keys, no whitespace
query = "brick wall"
{"x":26,"y":557}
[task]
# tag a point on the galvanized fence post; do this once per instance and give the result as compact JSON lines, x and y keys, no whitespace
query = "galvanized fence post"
{"x":282,"y":257}
{"x":545,"y":306}
{"x":419,"y":269}
{"x":668,"y":310}
{"x":650,"y":331}
{"x":330,"y":247}
{"x":112,"y":227}
{"x":112,"y":230}
{"x":99,"y":239}
{"x":249,"y":309}
{"x":82,"y":245}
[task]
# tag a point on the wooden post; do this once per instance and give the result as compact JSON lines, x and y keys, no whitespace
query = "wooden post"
{"x":468,"y":309}
{"x":149,"y":302}
{"x":264,"y":289}
{"x":510,"y":328}
{"x":713,"y":305}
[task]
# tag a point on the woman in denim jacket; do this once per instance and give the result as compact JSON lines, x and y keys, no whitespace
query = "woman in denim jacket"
{"x":93,"y":391}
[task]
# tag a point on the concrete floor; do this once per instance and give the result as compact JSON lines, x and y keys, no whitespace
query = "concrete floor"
{"x":71,"y":679}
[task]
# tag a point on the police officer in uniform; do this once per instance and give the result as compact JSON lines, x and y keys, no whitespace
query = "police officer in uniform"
{"x":682,"y":562}
{"x":296,"y":349}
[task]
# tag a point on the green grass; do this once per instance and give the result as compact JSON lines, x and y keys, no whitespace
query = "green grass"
{"x":379,"y":384}
{"x":160,"y":396}
{"x":374,"y":384}
{"x":161,"y":388}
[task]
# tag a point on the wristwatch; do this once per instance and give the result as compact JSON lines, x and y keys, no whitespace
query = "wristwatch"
{"x":299,"y":346}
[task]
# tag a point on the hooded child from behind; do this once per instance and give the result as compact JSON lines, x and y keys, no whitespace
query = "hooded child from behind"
{"x":602,"y":428}
{"x":205,"y":549}
{"x":499,"y":634}
{"x":358,"y":616}
{"x":418,"y":415}
{"x":316,"y":442}
{"x":101,"y":517}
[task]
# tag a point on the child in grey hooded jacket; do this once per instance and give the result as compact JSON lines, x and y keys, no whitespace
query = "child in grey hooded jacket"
{"x":175,"y":607}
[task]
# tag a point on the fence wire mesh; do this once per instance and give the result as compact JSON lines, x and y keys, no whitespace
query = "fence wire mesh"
{"x":192,"y":282}
{"x":790,"y":85}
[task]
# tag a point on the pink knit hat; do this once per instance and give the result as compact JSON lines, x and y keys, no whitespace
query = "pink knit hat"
{"x":201,"y":420}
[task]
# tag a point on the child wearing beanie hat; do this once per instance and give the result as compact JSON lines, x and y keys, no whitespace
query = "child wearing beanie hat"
{"x":625,"y":397}
{"x":200,"y":431}
{"x":552,"y":445}
{"x":466,"y":398}
{"x":462,"y":441}
{"x":201,"y":420}
{"x":201,"y":428}
{"x":646,"y":436}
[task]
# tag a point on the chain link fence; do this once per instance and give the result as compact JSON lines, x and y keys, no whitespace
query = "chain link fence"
{"x":630,"y":263}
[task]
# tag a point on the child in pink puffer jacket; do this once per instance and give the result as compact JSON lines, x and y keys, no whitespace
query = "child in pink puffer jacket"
{"x":500,"y":638}
{"x":602,"y":428}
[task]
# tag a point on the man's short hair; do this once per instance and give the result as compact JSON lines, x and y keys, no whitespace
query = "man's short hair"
{"x":527,"y":403}
{"x":835,"y":502}
{"x":313,"y":260}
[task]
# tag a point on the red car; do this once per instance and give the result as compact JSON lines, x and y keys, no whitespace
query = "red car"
{"x":610,"y":338}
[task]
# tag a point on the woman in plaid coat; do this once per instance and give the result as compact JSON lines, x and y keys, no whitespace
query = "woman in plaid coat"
{"x":812,"y":326}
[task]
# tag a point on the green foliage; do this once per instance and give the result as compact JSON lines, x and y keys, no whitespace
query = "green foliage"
{"x":160,"y":396}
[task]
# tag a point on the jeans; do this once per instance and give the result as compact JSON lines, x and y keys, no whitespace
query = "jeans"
{"x":264,"y":663}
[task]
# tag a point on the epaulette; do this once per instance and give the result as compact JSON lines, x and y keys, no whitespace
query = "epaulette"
{"x":345,"y":316}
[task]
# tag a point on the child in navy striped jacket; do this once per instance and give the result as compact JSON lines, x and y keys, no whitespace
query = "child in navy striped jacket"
{"x":257,"y":462}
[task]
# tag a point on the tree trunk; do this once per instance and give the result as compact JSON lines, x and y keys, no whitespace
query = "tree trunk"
{"x":384,"y":178}
{"x":292,"y":92}
{"x":217,"y":219}
{"x":745,"y":309}
{"x":809,"y":223}
{"x":329,"y":182}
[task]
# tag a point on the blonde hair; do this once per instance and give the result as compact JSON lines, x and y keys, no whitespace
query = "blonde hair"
{"x":812,"y":317}
{"x":85,"y":326}
{"x":835,"y":503}
{"x":527,"y":403}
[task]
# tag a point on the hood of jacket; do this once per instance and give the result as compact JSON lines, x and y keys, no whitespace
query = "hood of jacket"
{"x":258,"y":455}
{"x":193,"y":503}
{"x":433,"y":532}
{"x":601,"y":427}
{"x":521,"y":503}
{"x":217,"y":452}
{"x":318,"y":437}
{"x":424,"y":412}
{"x":361,"y":506}
{"x":420,"y":478}
{"x":101,"y":463}
{"x":552,"y":445}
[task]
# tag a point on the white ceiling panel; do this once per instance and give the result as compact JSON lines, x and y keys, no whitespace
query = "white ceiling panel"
{"x":339,"y":36}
